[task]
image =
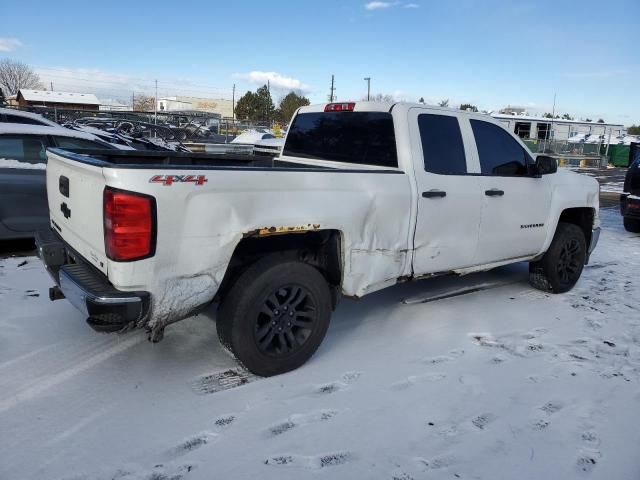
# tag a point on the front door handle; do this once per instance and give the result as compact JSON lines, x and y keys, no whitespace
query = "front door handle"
{"x":434,"y":194}
{"x":494,"y":192}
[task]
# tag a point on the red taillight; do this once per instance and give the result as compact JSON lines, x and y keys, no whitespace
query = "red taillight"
{"x":339,"y":107}
{"x":129,"y":225}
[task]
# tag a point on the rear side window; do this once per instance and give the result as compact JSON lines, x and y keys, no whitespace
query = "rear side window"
{"x":442,"y":146}
{"x":23,"y":148}
{"x":355,"y":137}
{"x":499,"y":153}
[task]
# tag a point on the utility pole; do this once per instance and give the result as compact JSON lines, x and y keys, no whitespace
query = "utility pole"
{"x":52,"y":86}
{"x":553,"y":117}
{"x":155,"y":111}
{"x":133,"y":100}
{"x":331,"y":95}
{"x":266,"y":105}
{"x":233,"y":104}
{"x":368,"y":80}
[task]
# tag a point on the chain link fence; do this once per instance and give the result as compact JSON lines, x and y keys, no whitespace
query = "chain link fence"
{"x":572,"y":153}
{"x":191,"y":126}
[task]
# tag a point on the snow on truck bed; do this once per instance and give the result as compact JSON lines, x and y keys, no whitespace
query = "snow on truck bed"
{"x":502,"y":381}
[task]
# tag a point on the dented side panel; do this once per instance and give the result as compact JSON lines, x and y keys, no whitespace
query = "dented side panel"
{"x":200,"y":226}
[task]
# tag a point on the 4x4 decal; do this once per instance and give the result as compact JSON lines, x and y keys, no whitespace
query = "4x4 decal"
{"x":168,"y":180}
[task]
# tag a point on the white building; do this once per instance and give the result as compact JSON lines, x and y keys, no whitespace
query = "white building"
{"x":181,"y":103}
{"x":540,"y":128}
{"x":112,"y":105}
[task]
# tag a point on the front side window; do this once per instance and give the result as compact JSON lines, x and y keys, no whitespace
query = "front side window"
{"x":442,"y":146}
{"x":23,"y":148}
{"x":499,"y":152}
{"x":355,"y":137}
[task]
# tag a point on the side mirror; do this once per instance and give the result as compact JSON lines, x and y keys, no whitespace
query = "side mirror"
{"x":546,"y":165}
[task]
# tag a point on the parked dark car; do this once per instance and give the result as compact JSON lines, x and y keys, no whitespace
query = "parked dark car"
{"x":630,"y":199}
{"x":23,"y":194}
{"x":10,"y":115}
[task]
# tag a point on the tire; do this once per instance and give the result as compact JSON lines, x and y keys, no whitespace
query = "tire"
{"x":631,"y":225}
{"x":561,"y":266}
{"x":275,"y":315}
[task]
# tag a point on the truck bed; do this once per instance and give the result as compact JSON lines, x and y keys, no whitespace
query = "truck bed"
{"x":168,"y":160}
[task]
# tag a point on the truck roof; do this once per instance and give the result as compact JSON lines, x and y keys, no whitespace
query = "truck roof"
{"x":365,"y":106}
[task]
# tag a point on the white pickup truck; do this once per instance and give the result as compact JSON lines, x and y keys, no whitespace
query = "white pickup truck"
{"x":363,"y":196}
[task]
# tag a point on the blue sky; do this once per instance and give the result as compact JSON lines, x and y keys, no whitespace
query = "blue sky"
{"x":490,"y":53}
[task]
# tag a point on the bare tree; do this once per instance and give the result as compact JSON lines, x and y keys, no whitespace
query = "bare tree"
{"x":443,"y":103}
{"x":15,"y":75}
{"x":143,"y":103}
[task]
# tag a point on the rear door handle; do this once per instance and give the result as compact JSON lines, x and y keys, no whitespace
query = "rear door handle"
{"x":434,"y":194}
{"x":494,"y":192}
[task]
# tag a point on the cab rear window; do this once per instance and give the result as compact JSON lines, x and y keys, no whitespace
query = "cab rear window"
{"x":365,"y":138}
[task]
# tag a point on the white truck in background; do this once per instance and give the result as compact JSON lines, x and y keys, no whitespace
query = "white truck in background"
{"x":363,"y":196}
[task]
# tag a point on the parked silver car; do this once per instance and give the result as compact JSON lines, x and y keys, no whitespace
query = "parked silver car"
{"x":23,"y":195}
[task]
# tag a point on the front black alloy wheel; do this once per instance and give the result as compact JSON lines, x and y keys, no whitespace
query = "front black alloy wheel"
{"x":275,"y":315}
{"x":569,"y":264}
{"x":561,"y":266}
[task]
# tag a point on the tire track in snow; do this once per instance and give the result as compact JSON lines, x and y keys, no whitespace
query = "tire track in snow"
{"x":26,"y":356}
{"x":44,"y":384}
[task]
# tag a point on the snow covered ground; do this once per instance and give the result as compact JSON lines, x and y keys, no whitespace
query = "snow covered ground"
{"x":504,"y":382}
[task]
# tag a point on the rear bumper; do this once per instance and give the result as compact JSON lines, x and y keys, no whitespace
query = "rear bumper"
{"x":630,"y":205}
{"x":107,"y":309}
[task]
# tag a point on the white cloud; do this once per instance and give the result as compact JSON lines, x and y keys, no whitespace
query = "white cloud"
{"x":383,"y":5}
{"x":399,"y":96}
{"x":275,"y":80}
{"x":9,"y":44}
{"x":378,"y":5}
{"x":119,"y":85}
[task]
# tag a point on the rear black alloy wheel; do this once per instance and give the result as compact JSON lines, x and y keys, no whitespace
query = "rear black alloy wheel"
{"x":285,"y":321}
{"x":275,"y":315}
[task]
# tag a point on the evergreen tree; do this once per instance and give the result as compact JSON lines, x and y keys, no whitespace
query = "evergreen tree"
{"x":246,"y":107}
{"x":289,"y":104}
{"x":264,"y":104}
{"x":468,"y":107}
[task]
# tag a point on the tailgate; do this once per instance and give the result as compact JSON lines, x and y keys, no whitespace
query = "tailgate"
{"x":74,"y":191}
